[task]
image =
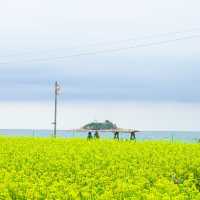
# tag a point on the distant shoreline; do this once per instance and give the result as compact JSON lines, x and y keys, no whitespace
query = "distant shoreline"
{"x":191,"y":136}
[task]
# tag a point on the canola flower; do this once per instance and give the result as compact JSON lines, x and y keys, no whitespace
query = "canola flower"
{"x":46,"y":168}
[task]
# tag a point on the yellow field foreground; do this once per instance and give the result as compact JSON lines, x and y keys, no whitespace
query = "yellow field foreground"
{"x":36,"y":168}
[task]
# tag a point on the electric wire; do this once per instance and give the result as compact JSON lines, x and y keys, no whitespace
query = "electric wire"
{"x":110,"y":50}
{"x":114,"y":42}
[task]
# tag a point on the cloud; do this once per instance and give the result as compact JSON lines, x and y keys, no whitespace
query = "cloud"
{"x":48,"y":29}
{"x":172,"y":81}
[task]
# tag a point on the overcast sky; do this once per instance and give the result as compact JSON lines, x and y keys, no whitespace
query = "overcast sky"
{"x":38,"y":41}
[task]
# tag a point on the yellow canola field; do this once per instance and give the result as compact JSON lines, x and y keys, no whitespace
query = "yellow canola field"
{"x":36,"y":168}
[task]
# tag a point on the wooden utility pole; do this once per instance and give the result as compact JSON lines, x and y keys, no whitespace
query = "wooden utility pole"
{"x":57,"y":88}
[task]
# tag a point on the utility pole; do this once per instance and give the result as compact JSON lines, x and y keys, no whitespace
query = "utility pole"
{"x":57,"y":89}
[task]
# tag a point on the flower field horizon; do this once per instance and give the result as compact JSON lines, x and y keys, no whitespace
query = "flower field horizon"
{"x":47,"y":168}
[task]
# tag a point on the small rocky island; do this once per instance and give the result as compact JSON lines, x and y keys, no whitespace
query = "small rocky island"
{"x":107,"y":125}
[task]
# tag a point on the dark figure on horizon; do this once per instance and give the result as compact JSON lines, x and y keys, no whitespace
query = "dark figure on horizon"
{"x":133,"y":137}
{"x":116,"y":135}
{"x":89,"y":135}
{"x":96,"y":135}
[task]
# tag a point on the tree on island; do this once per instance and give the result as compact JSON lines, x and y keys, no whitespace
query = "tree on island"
{"x":100,"y":125}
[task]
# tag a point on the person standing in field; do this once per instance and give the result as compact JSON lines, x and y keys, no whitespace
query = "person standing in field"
{"x":96,"y":135}
{"x":133,"y":137}
{"x":89,"y":137}
{"x":116,"y":135}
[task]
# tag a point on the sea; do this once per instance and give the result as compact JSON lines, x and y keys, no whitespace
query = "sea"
{"x":185,"y":136}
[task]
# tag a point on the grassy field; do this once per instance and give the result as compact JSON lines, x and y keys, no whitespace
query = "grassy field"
{"x":32,"y":168}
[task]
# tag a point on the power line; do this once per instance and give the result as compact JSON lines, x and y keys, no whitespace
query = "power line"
{"x":111,"y":50}
{"x":147,"y":37}
{"x":110,"y":42}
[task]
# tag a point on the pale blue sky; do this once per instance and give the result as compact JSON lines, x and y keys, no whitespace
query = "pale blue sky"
{"x":34,"y":33}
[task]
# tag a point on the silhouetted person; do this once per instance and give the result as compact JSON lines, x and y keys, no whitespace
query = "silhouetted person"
{"x":96,"y":135}
{"x":133,"y":137}
{"x":116,"y":135}
{"x":89,"y":137}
